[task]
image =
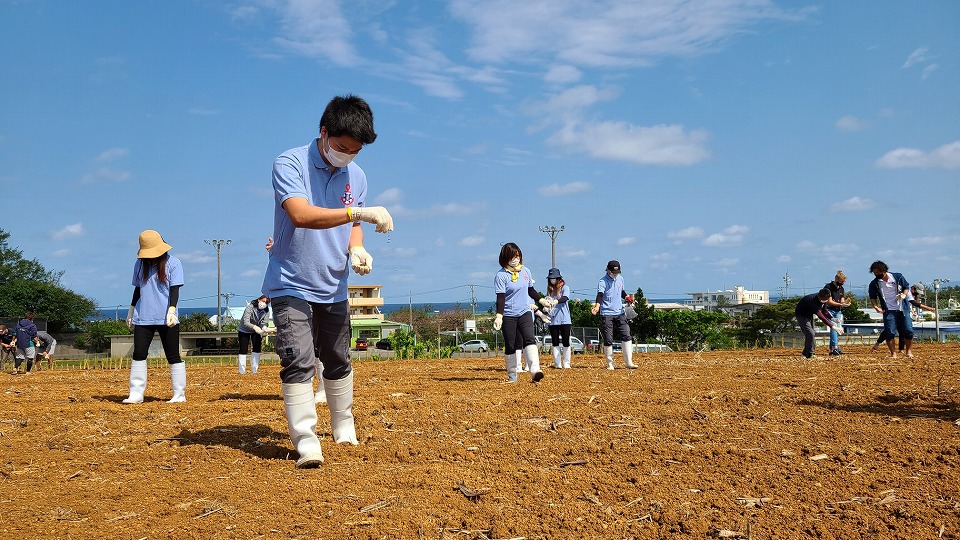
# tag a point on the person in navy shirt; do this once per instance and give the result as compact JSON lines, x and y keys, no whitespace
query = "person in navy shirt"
{"x":25,"y":331}
{"x":319,"y":202}
{"x":807,"y":307}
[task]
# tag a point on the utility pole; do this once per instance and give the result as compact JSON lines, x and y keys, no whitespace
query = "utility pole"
{"x":786,"y":285}
{"x":473,"y":302}
{"x":553,"y":232}
{"x":936,"y":302}
{"x":219,"y":245}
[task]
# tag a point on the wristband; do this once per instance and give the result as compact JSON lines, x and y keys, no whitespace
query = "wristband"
{"x":349,"y":213}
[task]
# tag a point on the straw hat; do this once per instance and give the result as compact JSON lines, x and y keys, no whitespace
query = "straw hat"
{"x":152,"y":245}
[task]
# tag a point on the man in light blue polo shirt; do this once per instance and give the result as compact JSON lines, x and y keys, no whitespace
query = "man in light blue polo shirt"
{"x":319,"y":204}
{"x":609,"y":304}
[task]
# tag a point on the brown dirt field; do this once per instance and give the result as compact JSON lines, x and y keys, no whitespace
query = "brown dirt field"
{"x":688,"y":445}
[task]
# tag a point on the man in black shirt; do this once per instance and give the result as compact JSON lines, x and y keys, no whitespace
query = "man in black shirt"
{"x":835,"y":305}
{"x":807,"y":307}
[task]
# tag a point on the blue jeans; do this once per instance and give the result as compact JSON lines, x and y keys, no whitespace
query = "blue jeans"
{"x":837,"y":316}
{"x":897,"y":322}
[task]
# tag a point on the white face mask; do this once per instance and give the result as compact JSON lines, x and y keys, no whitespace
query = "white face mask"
{"x":514,"y":262}
{"x":262,"y":305}
{"x":553,"y":281}
{"x":337,"y":159}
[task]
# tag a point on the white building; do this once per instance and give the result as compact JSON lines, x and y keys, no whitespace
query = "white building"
{"x":737,"y":295}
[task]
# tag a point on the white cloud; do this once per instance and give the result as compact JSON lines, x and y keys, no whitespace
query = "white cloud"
{"x":728,"y":261}
{"x":471,"y":241}
{"x":405,"y":253}
{"x":556,"y":190}
{"x":944,"y":157}
{"x":690,"y":233}
{"x":918,"y":56}
{"x":196,"y":257}
{"x":70,"y":231}
{"x":626,"y":241}
{"x":105,"y":174}
{"x":388,"y":196}
{"x":562,"y":74}
{"x":663,"y":257}
{"x":927,"y":71}
{"x":927,"y":240}
{"x":621,"y":141}
{"x":112,"y":154}
{"x":731,"y":236}
{"x":573,"y":253}
{"x":783,"y":259}
{"x":849,"y":123}
{"x":62,"y":253}
{"x":853,"y":204}
{"x":806,"y":246}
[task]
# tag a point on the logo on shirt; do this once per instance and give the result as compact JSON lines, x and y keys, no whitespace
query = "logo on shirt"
{"x":347,"y":197}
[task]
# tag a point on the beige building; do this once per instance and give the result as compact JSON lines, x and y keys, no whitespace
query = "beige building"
{"x":737,"y":295}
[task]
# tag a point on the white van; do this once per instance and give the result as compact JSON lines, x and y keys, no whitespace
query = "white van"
{"x":547,"y":343}
{"x":651,"y":347}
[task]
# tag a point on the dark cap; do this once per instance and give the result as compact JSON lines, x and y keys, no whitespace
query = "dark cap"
{"x":554,"y":273}
{"x":614,"y":266}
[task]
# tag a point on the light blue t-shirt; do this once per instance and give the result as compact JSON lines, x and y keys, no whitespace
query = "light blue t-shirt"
{"x":154,"y":295}
{"x":518,"y":298}
{"x":311,"y":264}
{"x":560,"y":314}
{"x":612,"y":301}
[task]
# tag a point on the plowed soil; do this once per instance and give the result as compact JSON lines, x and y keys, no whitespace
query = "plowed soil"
{"x":739,"y":444}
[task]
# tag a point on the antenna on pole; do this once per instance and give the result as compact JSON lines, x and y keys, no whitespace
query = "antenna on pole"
{"x":553,"y":232}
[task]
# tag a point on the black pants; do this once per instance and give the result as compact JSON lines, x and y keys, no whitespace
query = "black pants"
{"x":616,"y":323}
{"x":169,"y":337}
{"x":517,"y":333}
{"x":245,"y":339}
{"x":560,"y":334}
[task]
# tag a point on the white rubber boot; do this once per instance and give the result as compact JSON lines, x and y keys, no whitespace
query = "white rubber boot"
{"x":178,"y":379}
{"x":242,"y":364}
{"x":628,"y":354}
{"x":302,"y":421}
{"x":556,"y":357}
{"x":608,"y":352}
{"x":254,"y":362}
{"x":138,"y":381}
{"x":511,"y":363}
{"x":340,"y":401}
{"x":533,"y":359}
{"x":567,"y":351}
{"x":321,"y":395}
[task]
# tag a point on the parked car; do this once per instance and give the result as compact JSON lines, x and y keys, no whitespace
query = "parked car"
{"x":651,"y":347}
{"x":547,"y":343}
{"x":361,"y":344}
{"x":596,"y":346}
{"x":474,"y":345}
{"x":384,"y":344}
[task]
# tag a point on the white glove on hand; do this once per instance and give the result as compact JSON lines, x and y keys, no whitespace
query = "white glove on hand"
{"x":901,"y":296}
{"x":543,"y":317}
{"x":498,"y":322}
{"x":838,"y":329}
{"x":594,"y":308}
{"x":360,"y":260}
{"x":258,"y":330}
{"x":377,"y":215}
{"x":548,"y":302}
{"x":130,"y":318}
{"x":172,"y":319}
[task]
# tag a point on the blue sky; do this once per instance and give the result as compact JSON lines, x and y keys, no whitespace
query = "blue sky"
{"x":703,"y":144}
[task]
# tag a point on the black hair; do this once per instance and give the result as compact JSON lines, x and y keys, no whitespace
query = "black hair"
{"x":509,"y":251}
{"x":349,"y":115}
{"x":879,"y":265}
{"x":824,"y":293}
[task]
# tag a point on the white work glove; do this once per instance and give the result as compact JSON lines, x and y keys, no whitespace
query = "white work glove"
{"x":543,"y":317}
{"x":172,"y":319}
{"x":258,"y":330}
{"x":594,"y":308}
{"x":548,"y":302}
{"x":901,"y":296}
{"x":377,"y":215}
{"x":838,"y":329}
{"x":498,"y":322}
{"x":360,"y":260}
{"x":130,"y":318}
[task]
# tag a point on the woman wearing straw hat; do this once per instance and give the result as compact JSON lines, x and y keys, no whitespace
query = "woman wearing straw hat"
{"x":157,"y":278}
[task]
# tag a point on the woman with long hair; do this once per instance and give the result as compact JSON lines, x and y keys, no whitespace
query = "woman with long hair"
{"x":560,"y":322}
{"x":157,"y":278}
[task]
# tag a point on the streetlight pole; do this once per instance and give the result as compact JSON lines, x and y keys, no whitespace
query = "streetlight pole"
{"x":219,"y":245}
{"x":936,"y":302}
{"x":117,"y":314}
{"x":438,"y":333}
{"x":553,"y":232}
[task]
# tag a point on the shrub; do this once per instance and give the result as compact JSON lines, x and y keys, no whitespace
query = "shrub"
{"x":94,"y":338}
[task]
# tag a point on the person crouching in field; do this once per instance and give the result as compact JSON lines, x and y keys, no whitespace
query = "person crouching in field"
{"x":25,"y":332}
{"x":46,"y":347}
{"x":807,"y":307}
{"x":253,"y":325}
{"x":513,"y":284}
